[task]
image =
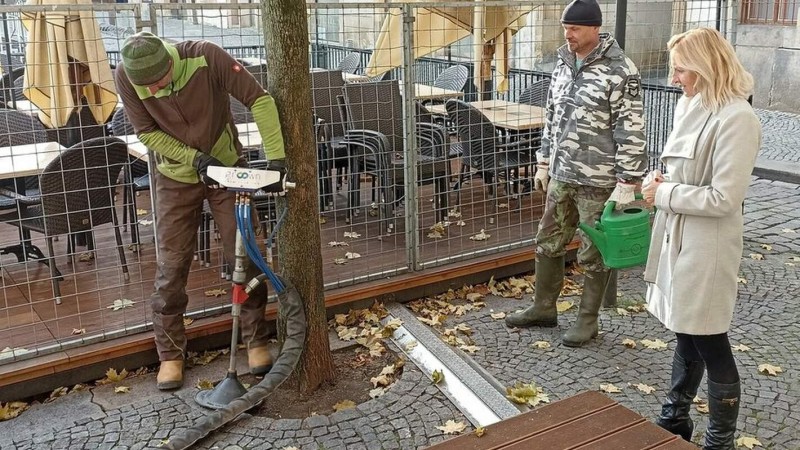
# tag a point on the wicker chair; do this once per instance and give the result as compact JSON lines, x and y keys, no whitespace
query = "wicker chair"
{"x":77,"y":194}
{"x":80,"y":127}
{"x":139,"y":176}
{"x":375,"y":113}
{"x":536,"y":94}
{"x":453,"y":78}
{"x":350,"y":63}
{"x":484,"y":150}
{"x":11,"y":85}
{"x":326,"y":86}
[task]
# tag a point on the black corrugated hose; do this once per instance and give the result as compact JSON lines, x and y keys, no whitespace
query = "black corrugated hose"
{"x":291,"y":306}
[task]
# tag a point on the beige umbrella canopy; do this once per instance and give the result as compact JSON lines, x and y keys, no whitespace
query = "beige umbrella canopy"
{"x":65,"y":59}
{"x":491,"y":26}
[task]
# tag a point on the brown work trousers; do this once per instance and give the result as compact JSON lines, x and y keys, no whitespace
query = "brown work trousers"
{"x":178,"y":209}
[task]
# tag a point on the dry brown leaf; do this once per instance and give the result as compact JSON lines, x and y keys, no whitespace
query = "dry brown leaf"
{"x":498,"y":315}
{"x":121,"y":389}
{"x":610,"y":388}
{"x":482,"y":236}
{"x":643,"y":387}
{"x":469,"y":348}
{"x":141,"y":212}
{"x":352,"y":255}
{"x":338,"y":244}
{"x":748,"y":441}
{"x":787,"y":230}
{"x":343,"y":405}
{"x":323,"y":220}
{"x":377,"y":392}
{"x":11,"y":409}
{"x":740,"y":348}
{"x":215,"y":292}
{"x":351,"y":235}
{"x":769,"y":369}
{"x":564,"y":305}
{"x":410,"y":346}
{"x":452,"y":427}
{"x":380,"y":380}
{"x":766,"y":247}
{"x":757,"y":256}
{"x":113,"y":377}
{"x":58,"y":392}
{"x":145,"y":222}
{"x":77,"y":331}
{"x":121,"y":303}
{"x":474,"y":296}
{"x":541,"y":345}
{"x":656,"y":344}
{"x":437,"y":376}
{"x":187,"y":321}
{"x":741,"y":280}
{"x":630,"y":343}
{"x":623,"y":312}
{"x":204,"y":385}
{"x":526,"y":394}
{"x":340,"y":261}
{"x":347,"y":333}
{"x":480,"y":431}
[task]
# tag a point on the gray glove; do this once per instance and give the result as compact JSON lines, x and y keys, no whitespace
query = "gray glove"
{"x":201,"y":163}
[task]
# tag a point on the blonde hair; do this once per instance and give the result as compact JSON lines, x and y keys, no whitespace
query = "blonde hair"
{"x":720,"y":75}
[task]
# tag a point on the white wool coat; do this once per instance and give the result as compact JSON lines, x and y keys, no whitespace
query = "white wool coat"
{"x":696,"y":246}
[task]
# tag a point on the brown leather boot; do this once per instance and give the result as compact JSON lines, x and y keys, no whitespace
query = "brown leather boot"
{"x":259,"y":360}
{"x":170,"y":375}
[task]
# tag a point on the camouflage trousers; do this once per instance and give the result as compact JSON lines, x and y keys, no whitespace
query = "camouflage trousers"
{"x":566,"y":205}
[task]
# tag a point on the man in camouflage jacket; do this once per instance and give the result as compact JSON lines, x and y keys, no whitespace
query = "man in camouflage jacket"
{"x":593,"y":151}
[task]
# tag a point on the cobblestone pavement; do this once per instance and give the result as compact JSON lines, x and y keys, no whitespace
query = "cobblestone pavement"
{"x":766,"y":320}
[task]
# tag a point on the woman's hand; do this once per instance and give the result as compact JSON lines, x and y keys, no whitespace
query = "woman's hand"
{"x":650,"y":185}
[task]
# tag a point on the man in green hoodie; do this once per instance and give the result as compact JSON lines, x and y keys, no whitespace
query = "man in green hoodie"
{"x":177,"y":99}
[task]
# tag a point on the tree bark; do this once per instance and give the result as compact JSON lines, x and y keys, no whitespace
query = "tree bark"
{"x":286,"y":38}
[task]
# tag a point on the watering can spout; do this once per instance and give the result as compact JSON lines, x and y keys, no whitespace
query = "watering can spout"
{"x":597,"y":236}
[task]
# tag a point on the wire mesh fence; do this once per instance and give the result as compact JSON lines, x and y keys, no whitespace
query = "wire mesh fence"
{"x":426,"y":134}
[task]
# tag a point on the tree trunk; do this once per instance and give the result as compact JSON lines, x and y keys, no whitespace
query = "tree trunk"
{"x":286,"y":38}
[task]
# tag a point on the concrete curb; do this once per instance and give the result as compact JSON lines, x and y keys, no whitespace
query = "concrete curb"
{"x":786,"y":171}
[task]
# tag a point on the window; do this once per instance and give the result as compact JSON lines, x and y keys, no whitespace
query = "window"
{"x":779,"y":12}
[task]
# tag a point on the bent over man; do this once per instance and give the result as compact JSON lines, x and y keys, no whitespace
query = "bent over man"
{"x":592,"y":151}
{"x":177,"y":99}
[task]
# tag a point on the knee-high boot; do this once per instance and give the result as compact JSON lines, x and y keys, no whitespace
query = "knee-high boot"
{"x":585,"y":327}
{"x":723,"y":409}
{"x":686,"y":377}
{"x":549,"y":280}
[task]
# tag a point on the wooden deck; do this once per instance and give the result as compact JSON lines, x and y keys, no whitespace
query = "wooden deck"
{"x":589,"y":421}
{"x":32,"y":324}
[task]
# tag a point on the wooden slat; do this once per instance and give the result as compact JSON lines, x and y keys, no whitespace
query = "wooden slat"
{"x":644,"y":436}
{"x":675,"y":444}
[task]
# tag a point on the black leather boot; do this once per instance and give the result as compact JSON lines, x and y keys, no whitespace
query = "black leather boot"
{"x":686,"y":377}
{"x":723,"y":409}
{"x":549,"y":280}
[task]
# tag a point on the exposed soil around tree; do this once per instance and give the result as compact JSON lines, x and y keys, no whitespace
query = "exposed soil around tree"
{"x":354,"y":368}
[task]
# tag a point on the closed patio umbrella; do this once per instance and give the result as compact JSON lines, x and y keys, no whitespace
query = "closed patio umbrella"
{"x":491,"y":26}
{"x":65,"y":59}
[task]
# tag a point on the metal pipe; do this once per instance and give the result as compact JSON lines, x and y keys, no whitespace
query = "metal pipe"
{"x":621,"y":22}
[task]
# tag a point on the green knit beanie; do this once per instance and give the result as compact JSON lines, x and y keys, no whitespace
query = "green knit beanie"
{"x":145,"y":58}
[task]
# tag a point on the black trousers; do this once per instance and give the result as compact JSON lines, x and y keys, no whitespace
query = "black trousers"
{"x":715,"y":350}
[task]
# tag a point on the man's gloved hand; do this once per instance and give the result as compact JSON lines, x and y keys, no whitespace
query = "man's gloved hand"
{"x":623,"y":194}
{"x":201,"y":163}
{"x":278,"y":165}
{"x":541,"y":178}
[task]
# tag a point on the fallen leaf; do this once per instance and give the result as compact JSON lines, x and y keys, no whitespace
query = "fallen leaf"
{"x":787,"y":230}
{"x":343,"y":405}
{"x":794,"y":258}
{"x":352,"y":255}
{"x":204,"y":358}
{"x":498,"y":315}
{"x":769,"y":369}
{"x":766,"y":247}
{"x":740,"y":348}
{"x":215,"y":292}
{"x":480,"y":431}
{"x":741,"y":280}
{"x":187,"y":321}
{"x":112,"y":376}
{"x":454,"y":213}
{"x":338,"y":244}
{"x":701,"y":405}
{"x":474,"y":296}
{"x":748,"y":441}
{"x":290,"y":448}
{"x":482,"y":236}
{"x":76,"y":331}
{"x":122,"y":390}
{"x":204,"y":385}
{"x":381,"y":380}
{"x":323,"y":220}
{"x":541,"y":345}
{"x":623,"y":312}
{"x":351,"y":235}
{"x":11,"y":409}
{"x":643,"y":388}
{"x":637,"y":308}
{"x":610,"y":388}
{"x":377,"y":392}
{"x":469,"y":348}
{"x":452,"y":427}
{"x":141,"y":212}
{"x":657,"y":344}
{"x":121,"y":303}
{"x":410,"y":346}
{"x":145,"y":222}
{"x":564,"y":305}
{"x":526,"y":394}
{"x":58,"y":392}
{"x":86,"y":256}
{"x":630,"y":343}
{"x":757,"y":256}
{"x":348,"y":333}
{"x":340,"y":261}
{"x":9,"y":352}
{"x":437,"y":376}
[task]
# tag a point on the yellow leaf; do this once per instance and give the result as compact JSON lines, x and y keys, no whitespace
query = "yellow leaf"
{"x":480,"y":431}
{"x":452,"y":427}
{"x":437,"y":376}
{"x":187,"y":321}
{"x":323,"y":220}
{"x":702,"y":408}
{"x":769,"y":369}
{"x":630,"y":343}
{"x":610,"y":388}
{"x":11,"y":409}
{"x":76,"y":331}
{"x":381,"y":380}
{"x":112,"y":376}
{"x":740,"y":348}
{"x":526,"y":394}
{"x":344,"y":404}
{"x":541,"y":345}
{"x":757,"y":256}
{"x":623,"y":312}
{"x":498,"y":315}
{"x":657,"y":344}
{"x":141,"y":212}
{"x":748,"y":441}
{"x":482,"y":236}
{"x":474,"y":296}
{"x":58,"y":392}
{"x":564,"y":305}
{"x":766,"y":247}
{"x":122,"y":390}
{"x":121,"y":303}
{"x":215,"y":292}
{"x":643,"y":388}
{"x":741,"y":280}
{"x":204,"y":385}
{"x":410,"y":346}
{"x":348,"y":333}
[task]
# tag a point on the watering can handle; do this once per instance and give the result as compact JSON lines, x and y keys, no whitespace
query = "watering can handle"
{"x":612,"y":204}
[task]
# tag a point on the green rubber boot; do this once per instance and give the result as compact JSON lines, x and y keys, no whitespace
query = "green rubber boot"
{"x":585,"y":327}
{"x":549,"y":280}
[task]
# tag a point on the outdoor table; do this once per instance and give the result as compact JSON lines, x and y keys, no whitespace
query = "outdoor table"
{"x":503,"y":114}
{"x":27,"y":160}
{"x":29,"y":108}
{"x":354,"y":78}
{"x":426,"y":92}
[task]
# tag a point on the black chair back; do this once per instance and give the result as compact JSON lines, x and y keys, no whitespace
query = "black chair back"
{"x":350,"y":63}
{"x":325,"y":87}
{"x":476,"y":132}
{"x":19,"y":128}
{"x":453,"y":78}
{"x":536,"y":94}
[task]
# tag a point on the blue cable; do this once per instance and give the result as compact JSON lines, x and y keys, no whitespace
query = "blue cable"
{"x":251,"y":247}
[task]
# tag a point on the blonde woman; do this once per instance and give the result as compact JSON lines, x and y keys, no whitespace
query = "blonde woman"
{"x":696,"y":248}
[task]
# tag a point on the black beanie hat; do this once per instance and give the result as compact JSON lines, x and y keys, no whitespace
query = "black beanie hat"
{"x":582,"y":12}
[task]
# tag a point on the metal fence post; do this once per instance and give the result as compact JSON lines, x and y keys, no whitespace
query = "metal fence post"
{"x":619,"y":26}
{"x":409,"y":146}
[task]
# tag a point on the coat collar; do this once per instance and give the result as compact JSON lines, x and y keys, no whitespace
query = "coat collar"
{"x":691,"y":119}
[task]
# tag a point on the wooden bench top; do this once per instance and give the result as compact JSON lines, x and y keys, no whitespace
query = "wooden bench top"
{"x":589,"y":420}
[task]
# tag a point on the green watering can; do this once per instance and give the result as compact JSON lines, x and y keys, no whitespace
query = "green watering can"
{"x":623,"y":236}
